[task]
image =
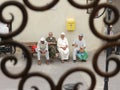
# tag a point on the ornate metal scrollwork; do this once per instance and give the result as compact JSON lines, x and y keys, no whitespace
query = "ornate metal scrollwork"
{"x":92,"y":76}
{"x":80,"y":6}
{"x":21,"y":84}
{"x":91,"y":22}
{"x":114,"y":59}
{"x":42,"y":8}
{"x":24,"y":75}
{"x":14,"y":43}
{"x":7,"y":58}
{"x":23,"y":23}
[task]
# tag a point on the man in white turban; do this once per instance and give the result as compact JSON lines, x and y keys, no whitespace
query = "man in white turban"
{"x":63,"y":48}
{"x":42,"y":48}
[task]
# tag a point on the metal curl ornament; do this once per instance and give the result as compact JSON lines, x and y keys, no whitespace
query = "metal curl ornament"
{"x":76,"y":85}
{"x":35,"y":88}
{"x":13,"y":58}
{"x":41,"y":8}
{"x":92,"y":76}
{"x":91,"y":22}
{"x":79,"y":6}
{"x":111,"y":58}
{"x":23,"y":23}
{"x":35,"y":74}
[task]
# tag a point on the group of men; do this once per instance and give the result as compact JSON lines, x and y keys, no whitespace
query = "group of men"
{"x":52,"y":48}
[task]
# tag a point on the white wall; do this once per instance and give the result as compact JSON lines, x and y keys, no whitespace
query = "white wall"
{"x":54,"y":20}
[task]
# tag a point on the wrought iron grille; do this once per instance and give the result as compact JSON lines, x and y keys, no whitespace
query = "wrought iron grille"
{"x":24,"y":75}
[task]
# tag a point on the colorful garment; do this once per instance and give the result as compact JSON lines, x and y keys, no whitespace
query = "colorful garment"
{"x":82,"y":55}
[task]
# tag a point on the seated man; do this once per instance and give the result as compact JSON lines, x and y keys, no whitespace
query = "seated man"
{"x":42,"y":48}
{"x":79,"y":49}
{"x":63,"y":47}
{"x":52,"y":45}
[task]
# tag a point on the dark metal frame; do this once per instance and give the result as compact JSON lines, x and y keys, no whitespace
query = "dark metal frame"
{"x":108,"y":50}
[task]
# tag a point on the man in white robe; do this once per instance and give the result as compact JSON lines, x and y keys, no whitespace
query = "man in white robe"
{"x":63,"y":48}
